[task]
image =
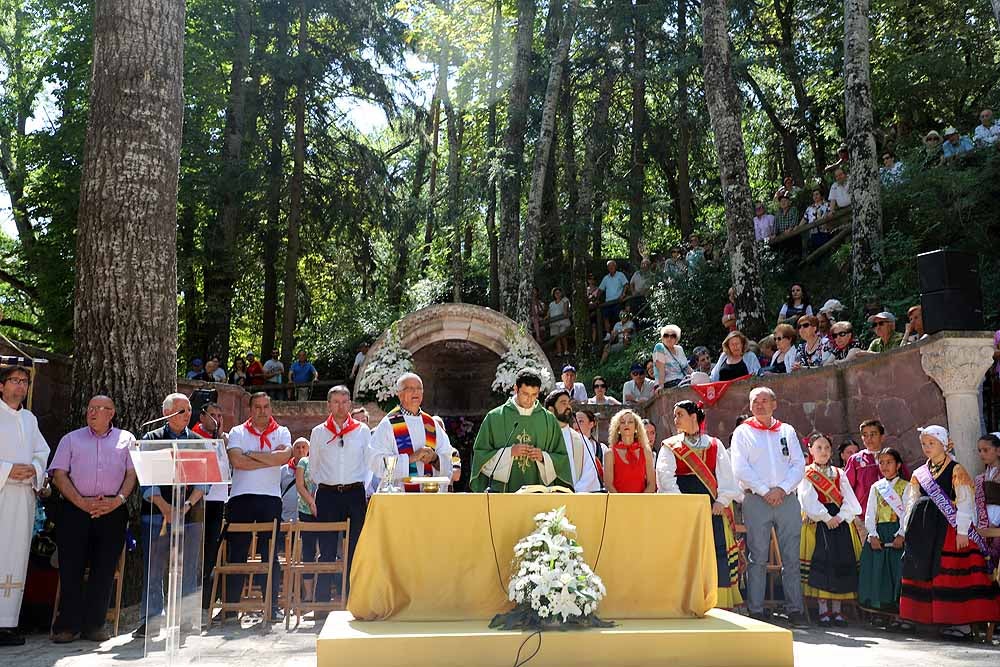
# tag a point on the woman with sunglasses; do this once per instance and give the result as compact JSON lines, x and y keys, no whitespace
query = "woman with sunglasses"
{"x":783,"y":359}
{"x":812,"y":350}
{"x":671,"y":365}
{"x":600,"y":397}
{"x":843,"y":345}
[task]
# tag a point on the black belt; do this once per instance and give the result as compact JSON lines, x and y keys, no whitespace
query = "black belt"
{"x":342,"y":488}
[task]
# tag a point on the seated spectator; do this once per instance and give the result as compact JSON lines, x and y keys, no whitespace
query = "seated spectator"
{"x":638,"y":389}
{"x":729,"y":311}
{"x":786,"y":218}
{"x":783,"y":359}
{"x":987,"y":132}
{"x":197,"y":371}
{"x":642,"y":280}
{"x":766,"y":349}
{"x":702,"y":359}
{"x":576,"y":390}
{"x":885,"y":328}
{"x":844,"y":346}
{"x":696,"y":255}
{"x":828,"y":313}
{"x":824,"y":324}
{"x":815,"y":212}
{"x":843,"y":160}
{"x":650,"y":370}
{"x":914,"y":325}
{"x":954,"y":144}
{"x":787,"y":189}
{"x":559,"y":321}
{"x":239,"y":374}
{"x":600,"y":397}
{"x":217,"y":372}
{"x":812,"y":349}
{"x":620,"y":336}
{"x":675,"y":267}
{"x":670,"y":363}
{"x":846,"y":450}
{"x":892,"y":169}
{"x":932,"y":148}
{"x":763,"y":223}
{"x":796,"y":305}
{"x":736,"y":361}
{"x":613,"y":286}
{"x":840,"y":195}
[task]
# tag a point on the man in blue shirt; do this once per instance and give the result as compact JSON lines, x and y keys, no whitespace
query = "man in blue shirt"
{"x":301,"y":372}
{"x":954,"y":143}
{"x":614,"y":286}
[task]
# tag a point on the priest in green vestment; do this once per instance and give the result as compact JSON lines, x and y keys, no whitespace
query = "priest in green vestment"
{"x":520,"y":443}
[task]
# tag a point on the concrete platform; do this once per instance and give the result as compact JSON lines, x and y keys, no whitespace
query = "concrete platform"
{"x":721,"y":638}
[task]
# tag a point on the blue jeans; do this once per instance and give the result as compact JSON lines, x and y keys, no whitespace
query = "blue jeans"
{"x":157,"y":550}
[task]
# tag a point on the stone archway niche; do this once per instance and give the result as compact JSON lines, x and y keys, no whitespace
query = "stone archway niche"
{"x":456,"y":348}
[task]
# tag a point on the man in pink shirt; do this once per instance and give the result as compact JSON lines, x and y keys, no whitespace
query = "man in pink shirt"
{"x":862,"y":468}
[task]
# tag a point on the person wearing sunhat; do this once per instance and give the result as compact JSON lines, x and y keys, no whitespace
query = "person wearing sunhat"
{"x":954,"y":143}
{"x":885,"y":328}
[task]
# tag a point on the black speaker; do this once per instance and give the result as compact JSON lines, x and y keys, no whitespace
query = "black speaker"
{"x":952,"y":310}
{"x":948,"y":270}
{"x":199,"y":397}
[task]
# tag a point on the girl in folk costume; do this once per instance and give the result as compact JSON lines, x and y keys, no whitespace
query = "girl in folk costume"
{"x":830,"y":547}
{"x":694,"y":462}
{"x":945,"y":577}
{"x":880,"y":582}
{"x":988,"y":494}
{"x":628,"y":460}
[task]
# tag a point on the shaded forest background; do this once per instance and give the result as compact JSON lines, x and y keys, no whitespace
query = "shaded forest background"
{"x":346,"y":161}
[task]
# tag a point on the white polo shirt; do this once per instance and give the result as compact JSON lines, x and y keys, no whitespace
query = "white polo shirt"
{"x":262,"y":482}
{"x":336,"y":460}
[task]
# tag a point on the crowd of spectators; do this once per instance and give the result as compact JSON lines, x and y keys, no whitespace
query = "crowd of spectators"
{"x":270,"y":376}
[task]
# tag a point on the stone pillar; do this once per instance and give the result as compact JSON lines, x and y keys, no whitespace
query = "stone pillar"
{"x":957,"y":362}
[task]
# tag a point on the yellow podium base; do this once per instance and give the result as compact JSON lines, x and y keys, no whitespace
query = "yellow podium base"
{"x":720,"y":638}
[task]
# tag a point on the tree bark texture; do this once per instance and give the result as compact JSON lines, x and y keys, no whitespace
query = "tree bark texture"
{"x":187,"y":284}
{"x":289,"y":309}
{"x":532,"y":225}
{"x":722,"y":100}
{"x":222,"y":265}
{"x":491,"y":143}
{"x":551,"y":244}
{"x":864,"y":183}
{"x":454,"y":130}
{"x":996,"y":11}
{"x":685,"y":217}
{"x":412,"y":215}
{"x":125,"y":316}
{"x":430,"y":221}
{"x":637,"y":175}
{"x":513,"y":156}
{"x":566,"y":278}
{"x":791,"y":165}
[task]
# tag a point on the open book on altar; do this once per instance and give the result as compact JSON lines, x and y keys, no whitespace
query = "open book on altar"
{"x":541,"y":488}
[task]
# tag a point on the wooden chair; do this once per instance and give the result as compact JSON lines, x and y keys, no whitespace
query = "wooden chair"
{"x":253,"y":566}
{"x":296,"y":570}
{"x":114,"y":612}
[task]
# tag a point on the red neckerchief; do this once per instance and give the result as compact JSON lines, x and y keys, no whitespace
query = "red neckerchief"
{"x":271,"y":427}
{"x":754,"y":423}
{"x":349,"y":426}
{"x":201,"y":431}
{"x":629,"y":449}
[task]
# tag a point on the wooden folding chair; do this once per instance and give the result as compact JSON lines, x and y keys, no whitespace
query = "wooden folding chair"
{"x":297,"y":570}
{"x":114,"y":612}
{"x":224,"y":569}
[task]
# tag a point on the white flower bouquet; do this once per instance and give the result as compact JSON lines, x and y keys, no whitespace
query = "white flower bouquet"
{"x":520,"y":354}
{"x":551,"y":584}
{"x":384,"y":368}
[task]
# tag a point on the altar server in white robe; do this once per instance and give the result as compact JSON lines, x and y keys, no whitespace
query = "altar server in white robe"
{"x":23,"y":457}
{"x":581,"y":452}
{"x":412,"y":433}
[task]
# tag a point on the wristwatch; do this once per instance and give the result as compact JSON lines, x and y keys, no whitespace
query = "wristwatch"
{"x":121,"y":498}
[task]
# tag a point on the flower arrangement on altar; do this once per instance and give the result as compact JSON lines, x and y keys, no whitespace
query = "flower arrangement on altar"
{"x":520,"y":354}
{"x":384,"y":368}
{"x":551,"y":584}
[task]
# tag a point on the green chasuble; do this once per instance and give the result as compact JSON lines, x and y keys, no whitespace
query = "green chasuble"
{"x":539,"y":429}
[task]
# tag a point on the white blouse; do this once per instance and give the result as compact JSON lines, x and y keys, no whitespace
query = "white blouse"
{"x":816,"y":511}
{"x":666,"y":470}
{"x":965,"y":502}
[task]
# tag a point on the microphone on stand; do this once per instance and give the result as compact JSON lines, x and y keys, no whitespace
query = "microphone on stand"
{"x":489,"y":488}
{"x":600,"y":476}
{"x":159,"y":419}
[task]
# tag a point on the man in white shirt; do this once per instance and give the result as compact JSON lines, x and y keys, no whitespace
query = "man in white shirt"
{"x":257,"y":449}
{"x":340,"y":458}
{"x":640,"y":388}
{"x":274,"y":371}
{"x":988,"y":132}
{"x":359,"y":360}
{"x":840,"y":196}
{"x":582,"y":457}
{"x":768,"y":465}
{"x":424,"y":447}
{"x":576,"y":390}
{"x":763,"y":223}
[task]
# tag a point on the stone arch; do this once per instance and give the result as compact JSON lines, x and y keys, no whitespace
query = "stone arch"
{"x":456,"y":328}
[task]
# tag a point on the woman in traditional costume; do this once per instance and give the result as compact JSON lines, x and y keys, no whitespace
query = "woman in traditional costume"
{"x":945,"y":577}
{"x":694,"y":462}
{"x":830,"y":547}
{"x":988,"y":495}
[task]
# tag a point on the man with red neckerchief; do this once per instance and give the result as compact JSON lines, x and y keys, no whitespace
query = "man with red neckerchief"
{"x":338,"y":463}
{"x":257,"y":449}
{"x":768,"y":464}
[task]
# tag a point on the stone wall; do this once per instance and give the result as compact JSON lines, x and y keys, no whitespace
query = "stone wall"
{"x":891,"y":387}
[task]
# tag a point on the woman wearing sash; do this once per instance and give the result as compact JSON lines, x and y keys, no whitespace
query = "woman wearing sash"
{"x":830,"y":547}
{"x":694,"y":462}
{"x":945,"y":576}
{"x":988,"y":493}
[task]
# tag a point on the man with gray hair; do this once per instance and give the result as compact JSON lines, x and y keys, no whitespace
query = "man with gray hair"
{"x":768,"y":464}
{"x":412,"y":433}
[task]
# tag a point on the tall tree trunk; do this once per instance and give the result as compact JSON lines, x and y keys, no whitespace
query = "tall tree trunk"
{"x":454,"y":129}
{"x":513,"y":157}
{"x":125,"y":317}
{"x":187,"y":259}
{"x":567,"y":99}
{"x":864,"y":184}
{"x":724,"y":109}
{"x":222,"y":263}
{"x":276,"y":170}
{"x":529,"y":245}
{"x":289,"y":309}
{"x":791,"y":165}
{"x":637,"y":174}
{"x":552,"y":247}
{"x":429,"y":222}
{"x":996,"y":11}
{"x":411,"y":215}
{"x":685,"y":218}
{"x":491,"y":144}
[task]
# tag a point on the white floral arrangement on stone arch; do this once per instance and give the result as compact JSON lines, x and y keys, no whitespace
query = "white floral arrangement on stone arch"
{"x":384,"y":368}
{"x":551,"y":585}
{"x":520,"y":354}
